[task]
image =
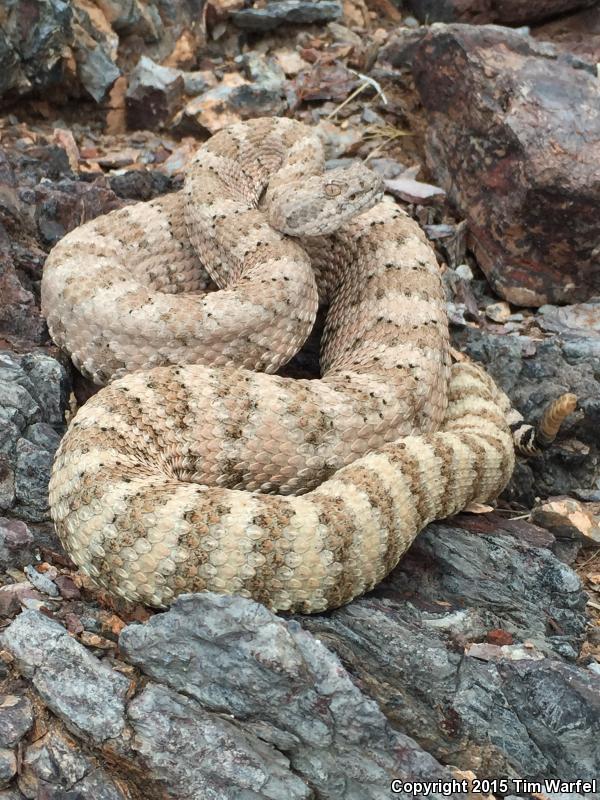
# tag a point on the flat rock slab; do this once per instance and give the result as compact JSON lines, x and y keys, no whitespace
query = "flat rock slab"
{"x":477,"y":611}
{"x":282,"y":685}
{"x":282,"y":12}
{"x":507,"y":12}
{"x":514,"y":139}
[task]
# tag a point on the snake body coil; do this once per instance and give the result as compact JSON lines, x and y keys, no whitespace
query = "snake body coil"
{"x":203,"y":473}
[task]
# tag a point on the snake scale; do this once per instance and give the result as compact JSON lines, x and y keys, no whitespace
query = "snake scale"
{"x":198,"y":468}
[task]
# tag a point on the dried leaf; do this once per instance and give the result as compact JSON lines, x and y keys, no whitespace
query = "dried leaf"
{"x":478,"y":508}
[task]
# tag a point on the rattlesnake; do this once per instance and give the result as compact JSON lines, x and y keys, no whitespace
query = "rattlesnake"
{"x":191,"y":470}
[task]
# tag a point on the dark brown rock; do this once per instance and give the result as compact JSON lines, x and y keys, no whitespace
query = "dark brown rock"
{"x":509,"y":12}
{"x":577,"y":33}
{"x":514,"y":138}
{"x":62,"y":206}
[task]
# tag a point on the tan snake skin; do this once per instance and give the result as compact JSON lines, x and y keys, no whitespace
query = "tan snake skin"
{"x":163,"y":481}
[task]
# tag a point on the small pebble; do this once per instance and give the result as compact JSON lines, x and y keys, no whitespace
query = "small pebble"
{"x":41,"y":582}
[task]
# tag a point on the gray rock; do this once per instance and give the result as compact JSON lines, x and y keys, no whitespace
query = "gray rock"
{"x":60,"y":206}
{"x":201,"y":755}
{"x":50,"y":386}
{"x":40,"y":37}
{"x":54,"y":759}
{"x":549,"y":706}
{"x":86,"y":694}
{"x":401,"y":47}
{"x":11,"y":794}
{"x":55,"y":767}
{"x":197,"y":81}
{"x":33,"y":466}
{"x":96,"y":52}
{"x":261,"y":95}
{"x":533,"y":373}
{"x":34,"y":391}
{"x":41,"y":582}
{"x":16,"y":718}
{"x":98,"y":785}
{"x":7,"y":483}
{"x":234,"y":656}
{"x":153,"y":94}
{"x":280,"y":12}
{"x":8,"y":766}
{"x":505,"y":12}
{"x":31,"y":45}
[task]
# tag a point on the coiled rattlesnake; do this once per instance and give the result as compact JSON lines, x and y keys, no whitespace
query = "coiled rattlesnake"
{"x":163,"y":483}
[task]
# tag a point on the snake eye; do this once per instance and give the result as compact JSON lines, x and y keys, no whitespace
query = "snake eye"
{"x":332,"y":189}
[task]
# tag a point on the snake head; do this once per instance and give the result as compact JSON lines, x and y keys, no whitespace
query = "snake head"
{"x":321,"y":204}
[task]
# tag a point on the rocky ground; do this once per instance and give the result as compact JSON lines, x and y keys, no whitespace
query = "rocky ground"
{"x":480,"y":654}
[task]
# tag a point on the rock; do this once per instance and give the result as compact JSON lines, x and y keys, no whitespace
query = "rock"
{"x":454,"y":588}
{"x":72,"y":49}
{"x":514,"y":138}
{"x":95,"y":48}
{"x":481,"y":624}
{"x":132,"y":18}
{"x":413,"y":191}
{"x":210,"y":756}
{"x":400,"y":49}
{"x":67,"y":587}
{"x":19,"y":315}
{"x":568,"y":519}
{"x":34,"y":391}
{"x":85,"y":693}
{"x":33,"y":464}
{"x":16,"y":596}
{"x":234,"y":656}
{"x":505,"y":12}
{"x":324,"y":82}
{"x":11,"y":794}
{"x":580,"y":319}
{"x":33,"y":39}
{"x":55,"y":44}
{"x":534,"y":372}
{"x":8,"y":766}
{"x":281,"y":12}
{"x":498,"y":312}
{"x":138,"y":184}
{"x":179,"y":31}
{"x":337,"y":141}
{"x":15,"y":545}
{"x":153,"y":95}
{"x":577,"y":33}
{"x":16,"y":718}
{"x":41,"y":582}
{"x":259,"y":92}
{"x":64,"y":205}
{"x":55,"y":767}
{"x":163,"y":739}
